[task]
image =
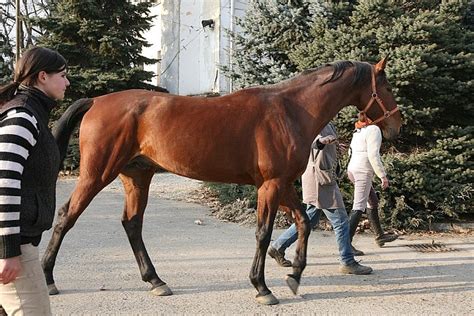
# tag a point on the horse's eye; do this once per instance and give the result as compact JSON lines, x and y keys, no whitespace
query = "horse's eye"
{"x":389,"y":89}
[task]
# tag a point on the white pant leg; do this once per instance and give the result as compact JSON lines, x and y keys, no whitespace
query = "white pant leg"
{"x":28,"y":294}
{"x":362,"y":180}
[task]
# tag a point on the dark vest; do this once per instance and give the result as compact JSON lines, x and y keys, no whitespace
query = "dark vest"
{"x":38,"y":191}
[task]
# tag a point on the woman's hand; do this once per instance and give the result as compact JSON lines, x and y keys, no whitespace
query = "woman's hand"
{"x":385,"y":183}
{"x":326,"y":140}
{"x":9,"y":269}
{"x":343,"y":147}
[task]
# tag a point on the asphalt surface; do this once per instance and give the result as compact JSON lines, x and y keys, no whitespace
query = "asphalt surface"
{"x":207,"y":267}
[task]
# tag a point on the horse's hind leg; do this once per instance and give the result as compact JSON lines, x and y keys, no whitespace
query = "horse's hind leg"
{"x":291,"y":201}
{"x":85,"y":190}
{"x":136,"y":182}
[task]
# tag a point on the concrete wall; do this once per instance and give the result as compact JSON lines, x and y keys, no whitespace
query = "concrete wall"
{"x":170,"y":45}
{"x":191,"y":54}
{"x":199,"y":47}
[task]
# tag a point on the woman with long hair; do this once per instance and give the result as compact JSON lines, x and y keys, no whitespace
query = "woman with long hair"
{"x":29,"y":166}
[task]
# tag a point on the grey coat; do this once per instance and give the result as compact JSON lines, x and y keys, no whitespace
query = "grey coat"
{"x":319,"y":181}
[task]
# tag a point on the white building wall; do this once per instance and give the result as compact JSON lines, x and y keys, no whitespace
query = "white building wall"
{"x":170,"y":45}
{"x":230,"y":10}
{"x":191,"y":54}
{"x":153,"y":37}
{"x":199,"y":46}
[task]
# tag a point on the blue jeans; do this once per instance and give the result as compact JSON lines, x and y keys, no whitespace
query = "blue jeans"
{"x":340,"y":223}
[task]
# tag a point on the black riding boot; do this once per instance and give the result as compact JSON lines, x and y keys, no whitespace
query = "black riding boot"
{"x":354,"y":218}
{"x":380,"y":237}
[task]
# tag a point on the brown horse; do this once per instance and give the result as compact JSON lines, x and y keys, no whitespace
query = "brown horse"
{"x":260,"y":136}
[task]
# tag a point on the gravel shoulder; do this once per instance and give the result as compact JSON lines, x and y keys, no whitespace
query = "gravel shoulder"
{"x":206,"y":263}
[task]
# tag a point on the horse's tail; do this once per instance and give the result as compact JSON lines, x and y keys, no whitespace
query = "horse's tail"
{"x":63,"y":128}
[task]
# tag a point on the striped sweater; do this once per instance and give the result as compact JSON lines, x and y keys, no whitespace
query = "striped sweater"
{"x":18,"y":135}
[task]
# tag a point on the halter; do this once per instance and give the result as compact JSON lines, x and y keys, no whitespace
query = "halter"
{"x":375,"y":98}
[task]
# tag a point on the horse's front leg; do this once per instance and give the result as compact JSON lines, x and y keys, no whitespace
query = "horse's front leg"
{"x":291,"y":200}
{"x":267,"y":205}
{"x":49,"y":257}
{"x":85,"y":191}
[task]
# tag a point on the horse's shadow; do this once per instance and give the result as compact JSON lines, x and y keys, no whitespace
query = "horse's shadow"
{"x":433,"y":278}
{"x":429,"y":278}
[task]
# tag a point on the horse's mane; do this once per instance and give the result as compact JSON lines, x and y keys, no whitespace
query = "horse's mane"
{"x":362,"y":73}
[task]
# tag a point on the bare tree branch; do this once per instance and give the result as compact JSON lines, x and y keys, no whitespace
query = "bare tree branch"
{"x":29,"y":9}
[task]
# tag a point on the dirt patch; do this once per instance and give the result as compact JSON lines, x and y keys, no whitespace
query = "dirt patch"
{"x":207,"y":266}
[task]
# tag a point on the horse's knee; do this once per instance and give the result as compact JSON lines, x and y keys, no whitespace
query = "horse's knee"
{"x":61,"y":224}
{"x":66,"y":218}
{"x":63,"y":210}
{"x":62,"y":214}
{"x":64,"y":224}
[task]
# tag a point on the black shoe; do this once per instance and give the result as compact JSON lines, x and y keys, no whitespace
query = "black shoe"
{"x":279,"y":257}
{"x":355,"y":268}
{"x":357,"y":252}
{"x":381,"y":240}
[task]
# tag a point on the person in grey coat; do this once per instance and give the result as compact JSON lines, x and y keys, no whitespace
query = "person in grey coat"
{"x":321,"y":193}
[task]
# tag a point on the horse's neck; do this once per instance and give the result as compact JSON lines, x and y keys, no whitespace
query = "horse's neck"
{"x":319,"y":104}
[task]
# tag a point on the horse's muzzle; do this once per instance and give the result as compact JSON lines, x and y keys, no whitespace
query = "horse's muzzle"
{"x":391,"y":133}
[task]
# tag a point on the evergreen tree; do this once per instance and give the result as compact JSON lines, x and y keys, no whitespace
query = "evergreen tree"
{"x":431,"y":47}
{"x":102,"y":41}
{"x":269,"y":31}
{"x":6,"y":57}
{"x":431,"y":57}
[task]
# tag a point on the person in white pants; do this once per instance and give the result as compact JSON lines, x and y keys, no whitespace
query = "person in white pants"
{"x":365,"y":161}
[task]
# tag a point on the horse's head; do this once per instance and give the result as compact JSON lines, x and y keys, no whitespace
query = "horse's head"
{"x":379,"y":104}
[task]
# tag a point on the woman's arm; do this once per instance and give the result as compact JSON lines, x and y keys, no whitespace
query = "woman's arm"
{"x":374,"y":141}
{"x":18,"y":135}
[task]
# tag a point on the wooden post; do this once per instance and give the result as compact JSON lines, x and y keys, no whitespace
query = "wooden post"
{"x":19,"y":34}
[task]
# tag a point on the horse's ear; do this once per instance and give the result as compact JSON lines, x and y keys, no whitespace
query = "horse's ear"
{"x":380,"y":66}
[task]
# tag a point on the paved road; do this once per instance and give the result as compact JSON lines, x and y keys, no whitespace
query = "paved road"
{"x":207,"y":267}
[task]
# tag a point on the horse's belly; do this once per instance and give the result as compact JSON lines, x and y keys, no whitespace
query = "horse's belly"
{"x":206,"y":169}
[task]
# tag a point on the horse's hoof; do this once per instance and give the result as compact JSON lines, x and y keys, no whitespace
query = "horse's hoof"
{"x":52,"y":289}
{"x":292,"y":284}
{"x":162,"y":290}
{"x":268,"y":299}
